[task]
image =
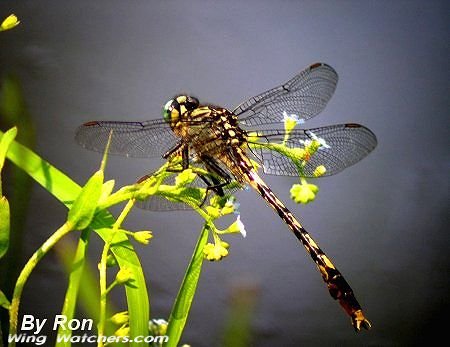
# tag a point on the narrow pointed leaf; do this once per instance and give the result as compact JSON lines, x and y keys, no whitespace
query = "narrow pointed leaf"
{"x":4,"y":205}
{"x":4,"y":226}
{"x":83,"y":209}
{"x":5,"y":141}
{"x":180,"y":310}
{"x":4,"y":302}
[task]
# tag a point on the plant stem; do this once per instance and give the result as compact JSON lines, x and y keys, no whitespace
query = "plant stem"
{"x":26,"y":271}
{"x":102,"y":269}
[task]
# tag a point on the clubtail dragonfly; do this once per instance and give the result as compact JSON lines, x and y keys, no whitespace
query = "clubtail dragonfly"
{"x":223,"y":141}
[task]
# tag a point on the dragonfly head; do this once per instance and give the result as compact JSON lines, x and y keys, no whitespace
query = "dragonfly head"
{"x":178,"y":106}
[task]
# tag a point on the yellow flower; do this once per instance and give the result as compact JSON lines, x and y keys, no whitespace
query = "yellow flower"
{"x":304,"y":193}
{"x":122,"y":331}
{"x":216,"y":251}
{"x":290,"y":121}
{"x":237,"y":227}
{"x":312,"y":146}
{"x":119,"y":318}
{"x":10,"y":22}
{"x":319,"y":171}
{"x":230,"y":206}
{"x":124,"y":275}
{"x":143,"y":236}
{"x":214,"y":212}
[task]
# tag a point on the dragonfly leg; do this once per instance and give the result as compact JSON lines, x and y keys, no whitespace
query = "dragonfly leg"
{"x":173,"y":150}
{"x":184,"y":149}
{"x":210,"y":186}
{"x":215,"y":185}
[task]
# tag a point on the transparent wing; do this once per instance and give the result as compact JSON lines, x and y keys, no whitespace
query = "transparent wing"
{"x":305,"y":95}
{"x":343,"y":146}
{"x":135,"y":139}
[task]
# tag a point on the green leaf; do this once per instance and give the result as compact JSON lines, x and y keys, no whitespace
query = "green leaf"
{"x":5,"y":218}
{"x":4,"y":144}
{"x":183,"y":302}
{"x":4,"y":226}
{"x":66,"y":190}
{"x":4,"y":302}
{"x":107,"y":188}
{"x":83,"y":209}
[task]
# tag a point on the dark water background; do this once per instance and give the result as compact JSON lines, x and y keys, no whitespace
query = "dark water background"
{"x":382,"y":221}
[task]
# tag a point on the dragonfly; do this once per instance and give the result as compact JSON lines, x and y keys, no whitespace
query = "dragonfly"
{"x":224,"y":143}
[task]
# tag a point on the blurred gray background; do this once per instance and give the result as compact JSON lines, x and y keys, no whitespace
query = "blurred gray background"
{"x":381,"y":221}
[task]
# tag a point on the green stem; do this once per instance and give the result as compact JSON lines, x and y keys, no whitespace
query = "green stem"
{"x":77,"y":268}
{"x":102,"y":268}
{"x":103,"y":292}
{"x":26,"y":271}
{"x":110,"y":287}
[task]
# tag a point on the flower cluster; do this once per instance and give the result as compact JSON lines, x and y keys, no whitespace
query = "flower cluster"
{"x":221,"y":206}
{"x":304,"y":192}
{"x":216,"y":251}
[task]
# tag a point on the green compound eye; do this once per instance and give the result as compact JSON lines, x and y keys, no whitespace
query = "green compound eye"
{"x":167,"y":110}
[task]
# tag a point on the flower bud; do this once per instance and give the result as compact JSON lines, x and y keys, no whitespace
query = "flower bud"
{"x":119,"y":318}
{"x":143,"y":236}
{"x":10,"y":22}
{"x":111,"y":260}
{"x":319,"y":171}
{"x":122,"y":331}
{"x":124,"y":275}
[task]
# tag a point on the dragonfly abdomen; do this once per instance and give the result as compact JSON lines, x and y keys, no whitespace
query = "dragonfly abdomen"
{"x":337,"y":286}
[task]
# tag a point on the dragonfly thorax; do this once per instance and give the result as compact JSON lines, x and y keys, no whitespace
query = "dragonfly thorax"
{"x":205,"y":123}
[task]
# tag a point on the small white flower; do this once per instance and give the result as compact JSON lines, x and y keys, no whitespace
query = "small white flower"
{"x":306,"y":143}
{"x":323,"y":143}
{"x":290,"y":118}
{"x":241,"y":226}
